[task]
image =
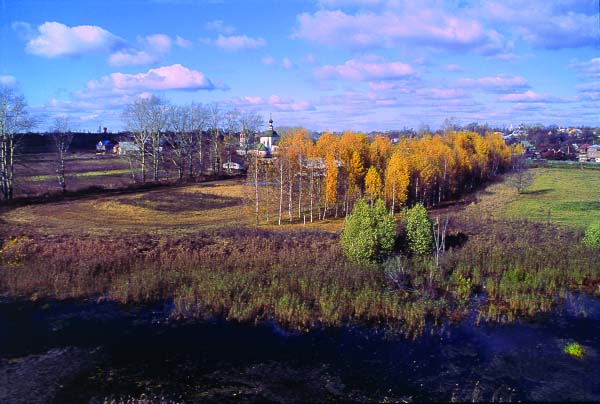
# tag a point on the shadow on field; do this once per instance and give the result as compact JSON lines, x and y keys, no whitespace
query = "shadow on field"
{"x":176,"y":202}
{"x":94,"y":191}
{"x":537,"y":192}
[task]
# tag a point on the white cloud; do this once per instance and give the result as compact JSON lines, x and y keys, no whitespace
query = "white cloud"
{"x":287,"y":63}
{"x":274,"y":102}
{"x":453,"y":68}
{"x":182,"y":42}
{"x":89,"y":117}
{"x":8,"y":81}
{"x":412,"y":23}
{"x":55,"y":39}
{"x":219,"y":26}
{"x":24,"y":30}
{"x":590,"y":68}
{"x":268,"y":60}
{"x":495,"y":84}
{"x":346,"y":3}
{"x":442,"y":93}
{"x":530,"y":96}
{"x":309,"y":58}
{"x":545,"y":24}
{"x":239,"y":42}
{"x":365,"y":69}
{"x":174,"y":77}
{"x":154,"y":47}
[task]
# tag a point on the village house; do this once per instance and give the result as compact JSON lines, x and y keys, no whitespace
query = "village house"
{"x":105,"y":146}
{"x":593,"y":153}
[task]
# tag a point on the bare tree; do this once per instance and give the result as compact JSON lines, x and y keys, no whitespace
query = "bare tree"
{"x":157,"y":122}
{"x":252,"y":123}
{"x":232,"y":126}
{"x":521,"y":176}
{"x":178,"y":136}
{"x":439,"y":239}
{"x":136,"y":120}
{"x":215,"y":118}
{"x":62,"y":137}
{"x":14,"y":119}
{"x":199,"y":121}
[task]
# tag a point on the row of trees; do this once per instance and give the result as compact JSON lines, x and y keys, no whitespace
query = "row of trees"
{"x":325,"y":178}
{"x":308,"y":179}
{"x":196,"y":135}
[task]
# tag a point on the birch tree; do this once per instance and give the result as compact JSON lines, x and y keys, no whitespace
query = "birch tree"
{"x":232,"y":126}
{"x":215,"y":120}
{"x":14,"y":119}
{"x":136,"y":120}
{"x":397,"y":180}
{"x":157,"y":123}
{"x":62,"y":137}
{"x":178,"y":136}
{"x":199,"y":122}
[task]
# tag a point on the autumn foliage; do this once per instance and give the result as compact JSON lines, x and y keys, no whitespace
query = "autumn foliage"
{"x":322,"y":179}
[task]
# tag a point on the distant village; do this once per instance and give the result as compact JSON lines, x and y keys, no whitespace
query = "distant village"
{"x":538,"y":142}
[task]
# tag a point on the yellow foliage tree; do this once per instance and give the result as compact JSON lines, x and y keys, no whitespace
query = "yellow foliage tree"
{"x":397,"y":179}
{"x":373,"y":185}
{"x":331,"y":177}
{"x":380,"y":150}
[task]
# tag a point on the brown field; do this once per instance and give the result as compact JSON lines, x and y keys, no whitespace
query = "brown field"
{"x":35,"y":173}
{"x":167,"y":210}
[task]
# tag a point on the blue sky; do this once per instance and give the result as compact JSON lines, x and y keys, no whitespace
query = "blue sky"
{"x":323,"y":64}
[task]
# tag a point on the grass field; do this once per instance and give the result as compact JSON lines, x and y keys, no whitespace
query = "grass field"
{"x":562,"y":196}
{"x":169,"y":210}
{"x":559,"y":196}
{"x":35,"y":173}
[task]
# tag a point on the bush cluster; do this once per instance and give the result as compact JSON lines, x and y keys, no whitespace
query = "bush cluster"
{"x":592,"y":236}
{"x":369,"y":233}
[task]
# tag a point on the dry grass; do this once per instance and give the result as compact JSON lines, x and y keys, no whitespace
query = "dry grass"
{"x":167,"y":210}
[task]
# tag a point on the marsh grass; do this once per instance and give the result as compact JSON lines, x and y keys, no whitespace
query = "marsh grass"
{"x":301,"y":279}
{"x":196,"y":245}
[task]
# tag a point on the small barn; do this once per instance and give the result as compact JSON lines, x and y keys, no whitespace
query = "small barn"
{"x":126,"y":148}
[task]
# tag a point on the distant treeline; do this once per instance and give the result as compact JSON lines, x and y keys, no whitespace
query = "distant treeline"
{"x":82,"y":141}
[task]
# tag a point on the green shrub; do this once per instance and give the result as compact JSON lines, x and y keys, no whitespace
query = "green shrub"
{"x":418,"y":230}
{"x":369,"y":232}
{"x":592,"y":235}
{"x":574,"y":349}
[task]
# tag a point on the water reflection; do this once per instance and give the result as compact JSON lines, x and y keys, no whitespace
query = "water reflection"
{"x":94,"y":351}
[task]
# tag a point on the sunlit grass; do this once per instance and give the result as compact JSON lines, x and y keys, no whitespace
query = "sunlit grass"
{"x":100,"y":173}
{"x":558,"y":196}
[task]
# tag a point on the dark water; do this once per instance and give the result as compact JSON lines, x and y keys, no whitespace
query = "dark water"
{"x":89,"y":352}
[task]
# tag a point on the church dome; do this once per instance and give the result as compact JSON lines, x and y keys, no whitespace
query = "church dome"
{"x":270,"y":132}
